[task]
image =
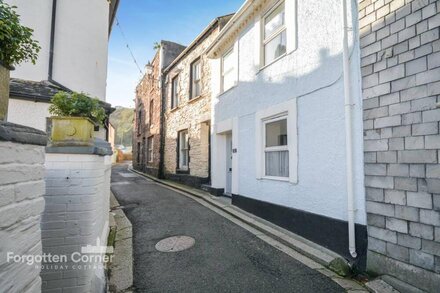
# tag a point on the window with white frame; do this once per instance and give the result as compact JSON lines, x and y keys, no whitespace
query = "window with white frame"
{"x":274,"y":34}
{"x":277,"y":142}
{"x":276,"y":152}
{"x":228,"y":70}
{"x":183,"y":150}
{"x":195,"y":79}
{"x":174,"y":93}
{"x":150,"y":149}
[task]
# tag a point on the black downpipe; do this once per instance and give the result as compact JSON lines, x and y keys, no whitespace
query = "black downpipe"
{"x":52,"y":40}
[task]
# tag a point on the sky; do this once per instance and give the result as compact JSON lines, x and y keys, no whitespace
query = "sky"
{"x":145,"y":22}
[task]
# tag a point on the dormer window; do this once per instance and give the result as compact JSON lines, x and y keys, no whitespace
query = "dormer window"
{"x":274,"y":34}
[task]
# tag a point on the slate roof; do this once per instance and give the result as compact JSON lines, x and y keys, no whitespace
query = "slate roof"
{"x":40,"y":91}
{"x":33,"y":90}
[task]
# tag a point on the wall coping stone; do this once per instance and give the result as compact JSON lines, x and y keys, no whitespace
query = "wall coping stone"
{"x":100,"y":147}
{"x":22,"y":134}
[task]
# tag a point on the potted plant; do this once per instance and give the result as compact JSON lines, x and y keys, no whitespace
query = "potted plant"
{"x":74,"y":117}
{"x":16,"y":46}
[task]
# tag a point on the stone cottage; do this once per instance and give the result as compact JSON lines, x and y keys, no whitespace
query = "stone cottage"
{"x":400,"y":59}
{"x":282,"y":144}
{"x":188,"y":110}
{"x":147,"y":134}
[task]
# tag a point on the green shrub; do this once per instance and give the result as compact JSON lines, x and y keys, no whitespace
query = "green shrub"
{"x":77,"y":105}
{"x":16,"y":43}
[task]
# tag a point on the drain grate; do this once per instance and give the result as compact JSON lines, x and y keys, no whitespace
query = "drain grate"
{"x":175,"y":244}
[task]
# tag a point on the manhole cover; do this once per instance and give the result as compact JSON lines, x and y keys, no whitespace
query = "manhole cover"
{"x":175,"y":243}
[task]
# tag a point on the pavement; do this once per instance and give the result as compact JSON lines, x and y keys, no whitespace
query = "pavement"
{"x":225,"y":257}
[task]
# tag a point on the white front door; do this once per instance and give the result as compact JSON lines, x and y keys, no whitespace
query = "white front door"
{"x":228,"y":188}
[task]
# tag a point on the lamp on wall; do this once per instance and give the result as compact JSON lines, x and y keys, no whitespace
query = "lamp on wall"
{"x":149,"y":68}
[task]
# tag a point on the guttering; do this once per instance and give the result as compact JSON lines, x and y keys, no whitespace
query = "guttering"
{"x":210,"y":26}
{"x":348,"y":136}
{"x":232,"y":22}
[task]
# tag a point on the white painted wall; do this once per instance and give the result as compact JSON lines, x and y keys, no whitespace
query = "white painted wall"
{"x":28,"y":113}
{"x":81,"y":43}
{"x":311,"y":73}
{"x":36,"y":15}
{"x":22,"y":188}
{"x":77,"y":200}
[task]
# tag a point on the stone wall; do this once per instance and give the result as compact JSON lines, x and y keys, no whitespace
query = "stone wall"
{"x":148,"y":90}
{"x":76,"y":215}
{"x":191,"y":114}
{"x":21,"y":204}
{"x":400,"y":51}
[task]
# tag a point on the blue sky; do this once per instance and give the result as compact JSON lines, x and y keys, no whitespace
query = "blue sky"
{"x":147,"y":21}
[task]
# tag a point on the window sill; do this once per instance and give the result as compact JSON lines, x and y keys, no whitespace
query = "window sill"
{"x":174,"y":109}
{"x":182,"y":171}
{"x":195,"y":99}
{"x":273,"y":61}
{"x":274,"y":178}
{"x":228,"y":90}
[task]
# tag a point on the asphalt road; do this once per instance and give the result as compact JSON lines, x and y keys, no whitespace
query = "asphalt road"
{"x":225,"y":257}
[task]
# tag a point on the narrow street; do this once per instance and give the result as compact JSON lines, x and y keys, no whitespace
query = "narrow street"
{"x":225,"y":257}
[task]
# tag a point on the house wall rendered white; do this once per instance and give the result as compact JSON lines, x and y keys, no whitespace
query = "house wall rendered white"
{"x":28,"y":113}
{"x":81,"y":43}
{"x":311,"y":73}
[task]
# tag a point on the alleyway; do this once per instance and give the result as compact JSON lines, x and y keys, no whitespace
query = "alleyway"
{"x":225,"y":257}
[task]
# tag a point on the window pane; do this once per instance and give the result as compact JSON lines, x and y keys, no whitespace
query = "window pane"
{"x":277,"y":164}
{"x":274,"y":21}
{"x":196,"y":89}
{"x":276,"y":133}
{"x":228,"y":62}
{"x":174,"y":100}
{"x":228,"y":80}
{"x":275,"y":48}
{"x":196,"y":70}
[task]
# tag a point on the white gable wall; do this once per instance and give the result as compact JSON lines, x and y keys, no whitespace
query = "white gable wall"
{"x":81,"y":43}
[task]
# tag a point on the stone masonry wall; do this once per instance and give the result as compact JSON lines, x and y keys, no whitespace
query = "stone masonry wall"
{"x":21,"y":204}
{"x":191,"y":114}
{"x":148,"y":90}
{"x":76,"y":215}
{"x":400,"y":59}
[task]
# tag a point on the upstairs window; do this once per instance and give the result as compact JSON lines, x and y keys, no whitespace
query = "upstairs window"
{"x":274,"y":34}
{"x":174,"y":95}
{"x":195,"y":79}
{"x":150,"y":112}
{"x":139,"y":122}
{"x":276,"y":152}
{"x":228,"y":71}
{"x":150,"y":149}
{"x":183,"y":150}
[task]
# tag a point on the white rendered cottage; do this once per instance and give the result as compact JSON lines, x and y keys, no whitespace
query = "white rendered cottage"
{"x":279,"y":126}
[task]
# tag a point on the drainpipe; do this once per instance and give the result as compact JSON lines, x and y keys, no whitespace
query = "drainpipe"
{"x":52,"y":39}
{"x":348,"y":136}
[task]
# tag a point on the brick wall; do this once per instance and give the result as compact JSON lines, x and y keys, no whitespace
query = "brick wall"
{"x":21,"y":205}
{"x":400,"y":59}
{"x":76,"y":214}
{"x":191,"y":114}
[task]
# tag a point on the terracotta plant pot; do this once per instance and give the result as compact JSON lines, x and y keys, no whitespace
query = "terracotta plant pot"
{"x":4,"y":92}
{"x":72,"y":131}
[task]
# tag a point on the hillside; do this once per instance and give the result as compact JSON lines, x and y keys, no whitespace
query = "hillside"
{"x":122,"y":121}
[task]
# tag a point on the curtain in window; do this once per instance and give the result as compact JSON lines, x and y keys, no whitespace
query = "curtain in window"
{"x":277,"y":163}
